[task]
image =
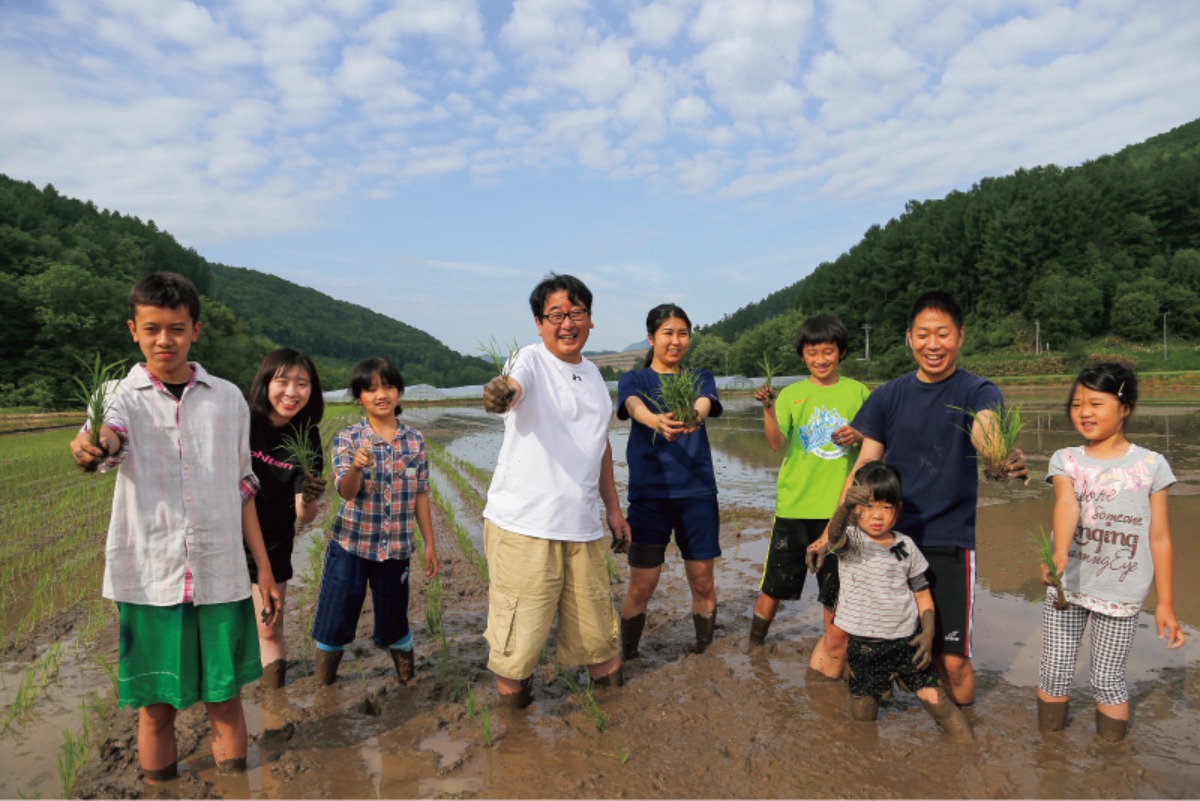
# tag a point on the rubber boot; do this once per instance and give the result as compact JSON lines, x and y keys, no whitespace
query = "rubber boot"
{"x":864,"y":708}
{"x":614,"y":679}
{"x":1110,"y":730}
{"x":161,"y":774}
{"x":404,"y":661}
{"x":631,"y":635}
{"x":517,"y":701}
{"x":327,"y":665}
{"x":1052,"y":715}
{"x":949,"y":717}
{"x":705,"y":626}
{"x":758,"y":630}
{"x":274,"y":674}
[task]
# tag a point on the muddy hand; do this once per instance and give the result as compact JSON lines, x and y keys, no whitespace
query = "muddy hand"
{"x":497,"y":395}
{"x":765,"y":395}
{"x":363,"y":458}
{"x":813,"y":557}
{"x":1015,"y":466}
{"x":314,"y":488}
{"x":846,"y":436}
{"x":923,"y":642}
{"x":856,"y":496}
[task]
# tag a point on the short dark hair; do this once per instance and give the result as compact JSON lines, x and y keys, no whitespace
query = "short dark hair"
{"x":279,"y":361}
{"x":1112,"y":378}
{"x":884,"y":481}
{"x":938,"y":301}
{"x":577,"y":292}
{"x":364,"y":373}
{"x":165,"y":291}
{"x":822,"y":328}
{"x":659,"y":315}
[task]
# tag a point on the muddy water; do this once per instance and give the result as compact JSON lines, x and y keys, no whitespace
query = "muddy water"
{"x":727,"y":723}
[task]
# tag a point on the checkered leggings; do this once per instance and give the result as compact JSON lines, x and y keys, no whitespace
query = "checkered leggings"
{"x":1112,"y":637}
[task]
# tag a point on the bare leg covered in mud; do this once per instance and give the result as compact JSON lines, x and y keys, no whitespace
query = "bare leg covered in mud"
{"x":158,"y":751}
{"x":228,"y":721}
{"x":958,"y":677}
{"x":272,"y":646}
{"x":829,"y":654}
{"x":642,"y":583}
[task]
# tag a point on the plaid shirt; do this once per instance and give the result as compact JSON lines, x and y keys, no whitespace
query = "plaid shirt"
{"x":378,"y":524}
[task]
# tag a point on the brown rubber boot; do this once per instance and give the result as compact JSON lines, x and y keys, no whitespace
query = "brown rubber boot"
{"x":404,"y":662}
{"x":1052,"y":715}
{"x":274,"y":674}
{"x":949,"y":717}
{"x":517,"y":701}
{"x":327,"y":665}
{"x":631,"y":635}
{"x":705,"y":626}
{"x":758,"y":630}
{"x":1110,"y":730}
{"x":864,"y":708}
{"x":614,"y":679}
{"x":161,"y":774}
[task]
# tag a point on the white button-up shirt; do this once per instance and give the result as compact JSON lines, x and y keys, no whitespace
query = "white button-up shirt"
{"x":176,"y":528}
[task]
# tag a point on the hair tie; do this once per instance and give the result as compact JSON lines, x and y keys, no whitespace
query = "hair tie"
{"x":1121,"y":391}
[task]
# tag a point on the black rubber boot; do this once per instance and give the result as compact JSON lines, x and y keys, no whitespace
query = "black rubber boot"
{"x":517,"y":701}
{"x":614,"y":679}
{"x":949,"y":717}
{"x":327,"y":666}
{"x":758,"y":630}
{"x":705,"y":626}
{"x":864,"y":708}
{"x":631,"y":635}
{"x":1110,"y":730}
{"x":404,"y":662}
{"x":1052,"y":715}
{"x":274,"y":674}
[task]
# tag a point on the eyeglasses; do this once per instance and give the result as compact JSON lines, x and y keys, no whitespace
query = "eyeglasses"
{"x":556,"y":317}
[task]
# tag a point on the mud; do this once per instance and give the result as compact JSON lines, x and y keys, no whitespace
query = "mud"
{"x":733,"y":722}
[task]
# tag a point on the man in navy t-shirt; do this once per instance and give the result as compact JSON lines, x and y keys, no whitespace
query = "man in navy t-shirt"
{"x":919,"y":424}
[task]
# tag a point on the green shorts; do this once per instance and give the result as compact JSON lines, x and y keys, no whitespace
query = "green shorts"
{"x":182,"y":654}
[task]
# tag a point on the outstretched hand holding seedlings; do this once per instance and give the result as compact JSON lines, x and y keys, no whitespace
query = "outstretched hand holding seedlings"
{"x":89,"y":456}
{"x":994,"y":432}
{"x":842,"y":517}
{"x":498,"y":395}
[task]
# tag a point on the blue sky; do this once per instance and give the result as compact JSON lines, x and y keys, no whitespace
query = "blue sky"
{"x":432,"y":159}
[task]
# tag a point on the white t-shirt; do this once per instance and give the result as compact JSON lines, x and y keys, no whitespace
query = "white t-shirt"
{"x":547,"y":478}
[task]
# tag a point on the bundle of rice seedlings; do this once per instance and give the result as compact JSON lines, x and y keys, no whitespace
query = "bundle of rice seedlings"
{"x":302,"y":449}
{"x":496,"y":354}
{"x":770,"y":370}
{"x":997,"y":439}
{"x":1044,"y":548}
{"x":677,"y":395}
{"x":95,"y":391}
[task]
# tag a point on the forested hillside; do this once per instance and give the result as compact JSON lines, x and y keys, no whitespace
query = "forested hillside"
{"x":65,"y":272}
{"x":1105,"y":248}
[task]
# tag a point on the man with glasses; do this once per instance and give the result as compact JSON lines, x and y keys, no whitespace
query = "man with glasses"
{"x":542,"y":530}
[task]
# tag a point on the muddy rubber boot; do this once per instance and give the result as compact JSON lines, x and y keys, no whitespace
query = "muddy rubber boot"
{"x":159,"y":775}
{"x":1052,"y":715}
{"x":327,"y":665}
{"x":274,"y":674}
{"x":404,"y":662}
{"x":949,"y":717}
{"x":231,"y":767}
{"x":614,"y":679}
{"x":705,"y":626}
{"x":758,"y":630}
{"x":1111,"y":730}
{"x":864,"y":708}
{"x":631,"y":635}
{"x":514,"y":702}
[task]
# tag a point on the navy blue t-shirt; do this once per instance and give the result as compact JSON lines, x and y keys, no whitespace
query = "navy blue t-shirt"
{"x":927,"y":441}
{"x":682,"y":468}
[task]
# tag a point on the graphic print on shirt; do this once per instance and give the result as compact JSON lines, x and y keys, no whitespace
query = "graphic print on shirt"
{"x":816,"y":436}
{"x":1096,"y":486}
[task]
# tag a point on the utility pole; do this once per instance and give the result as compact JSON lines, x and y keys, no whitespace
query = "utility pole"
{"x":1165,"y":313}
{"x":1037,"y":336}
{"x":867,"y":328}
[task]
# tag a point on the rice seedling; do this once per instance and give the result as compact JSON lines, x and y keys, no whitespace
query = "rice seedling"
{"x":485,"y":723}
{"x":1043,"y":546}
{"x":614,"y":573}
{"x":995,"y":440}
{"x":677,"y":396}
{"x":71,"y":757}
{"x":769,"y":370}
{"x":301,"y":449}
{"x":500,"y":360}
{"x":620,"y":752}
{"x":587,"y":697}
{"x":95,"y":392}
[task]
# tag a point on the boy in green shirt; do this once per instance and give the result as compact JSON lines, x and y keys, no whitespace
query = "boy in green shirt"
{"x":812,"y":418}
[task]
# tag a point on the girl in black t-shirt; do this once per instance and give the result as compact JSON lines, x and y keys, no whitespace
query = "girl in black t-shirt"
{"x":285,"y":400}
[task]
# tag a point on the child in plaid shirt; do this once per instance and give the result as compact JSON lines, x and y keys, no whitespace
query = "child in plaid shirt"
{"x":381,"y":473}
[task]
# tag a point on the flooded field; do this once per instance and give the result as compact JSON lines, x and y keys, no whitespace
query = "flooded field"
{"x":729,"y":723}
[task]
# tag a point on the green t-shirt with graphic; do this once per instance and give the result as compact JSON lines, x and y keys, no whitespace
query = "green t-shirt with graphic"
{"x":814,"y":468}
